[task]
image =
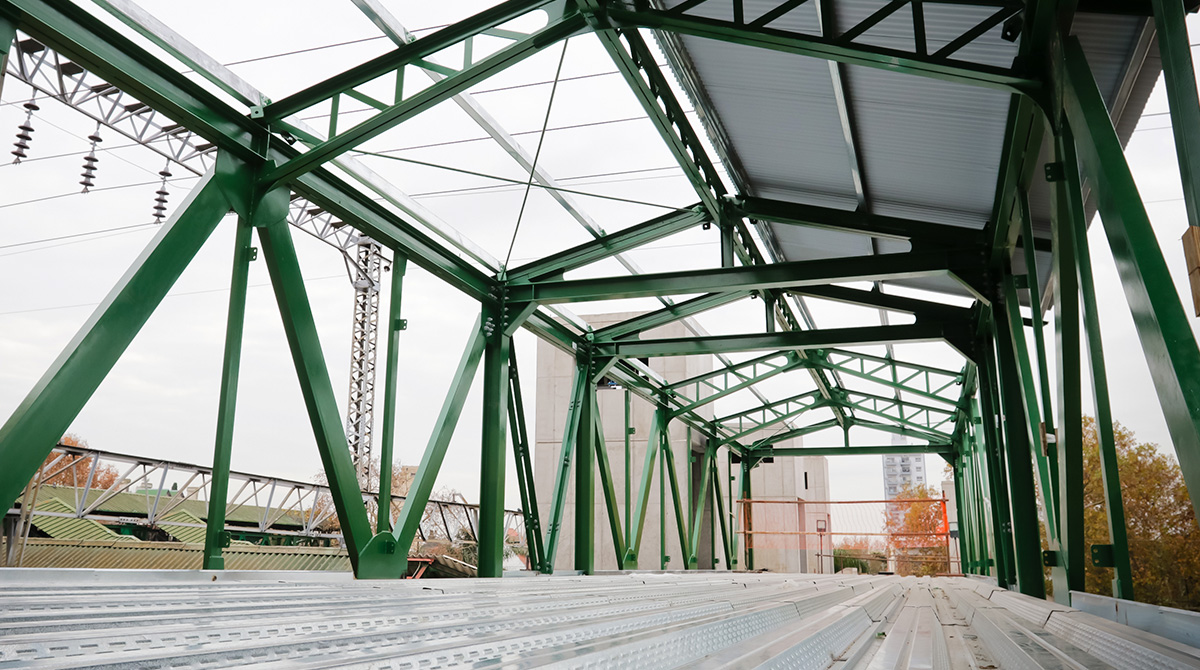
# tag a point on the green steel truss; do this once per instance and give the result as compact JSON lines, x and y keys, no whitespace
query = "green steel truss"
{"x":993,"y":419}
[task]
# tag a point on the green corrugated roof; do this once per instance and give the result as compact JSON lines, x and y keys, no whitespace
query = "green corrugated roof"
{"x":139,"y":504}
{"x":182,"y":532}
{"x":71,"y":528}
{"x":50,"y":553}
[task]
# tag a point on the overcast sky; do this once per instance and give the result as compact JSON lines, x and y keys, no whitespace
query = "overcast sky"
{"x":160,"y":400}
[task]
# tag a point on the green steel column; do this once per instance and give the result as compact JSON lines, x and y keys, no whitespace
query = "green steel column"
{"x":585,"y":472}
{"x":558,"y":498}
{"x":524,"y":465}
{"x":663,"y":445}
{"x":279,"y":253}
{"x":1163,"y":326}
{"x":1068,"y":571}
{"x":494,"y":441}
{"x":1179,"y":76}
{"x":1027,"y":538}
{"x":1114,"y":504}
{"x":1031,"y":415}
{"x":391,"y":372}
{"x":214,"y":537}
{"x":634,"y":544}
{"x":1035,"y":300}
{"x":995,"y":480}
{"x":29,"y":435}
{"x":747,"y":510}
{"x":607,"y":487}
{"x":628,"y":433}
{"x":960,"y":510}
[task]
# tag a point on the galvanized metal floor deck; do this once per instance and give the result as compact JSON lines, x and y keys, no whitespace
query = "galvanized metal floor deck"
{"x":144,"y":619}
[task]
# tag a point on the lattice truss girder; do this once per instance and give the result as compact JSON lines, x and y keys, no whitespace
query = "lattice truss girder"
{"x":284,"y":507}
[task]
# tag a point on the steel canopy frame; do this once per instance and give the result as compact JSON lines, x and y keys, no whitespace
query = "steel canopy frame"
{"x":257,"y":169}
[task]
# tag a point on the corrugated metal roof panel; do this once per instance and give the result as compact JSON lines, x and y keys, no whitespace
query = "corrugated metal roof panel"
{"x":180,"y":530}
{"x":115,"y":554}
{"x":69,"y":527}
{"x":930,"y":149}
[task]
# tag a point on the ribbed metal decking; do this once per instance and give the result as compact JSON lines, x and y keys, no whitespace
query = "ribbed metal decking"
{"x":145,"y":619}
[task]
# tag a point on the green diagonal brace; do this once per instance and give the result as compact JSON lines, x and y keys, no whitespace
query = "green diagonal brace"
{"x":48,"y":410}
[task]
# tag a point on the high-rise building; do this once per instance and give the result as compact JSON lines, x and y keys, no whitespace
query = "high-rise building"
{"x":901,"y":470}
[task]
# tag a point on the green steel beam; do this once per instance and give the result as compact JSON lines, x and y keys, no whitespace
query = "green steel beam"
{"x":1027,"y":541}
{"x":771,"y":407}
{"x":497,"y":350}
{"x":524,"y":465}
{"x":558,"y":500}
{"x":313,"y":375}
{"x":782,"y":341}
{"x":1031,"y":415}
{"x":835,"y":49}
{"x":558,"y":28}
{"x":607,"y":487}
{"x":636,"y":63}
{"x":818,"y":402}
{"x":218,"y":493}
{"x":792,"y":434}
{"x":681,"y":520}
{"x":1068,"y":571}
{"x":638,"y":513}
{"x":1035,"y":301}
{"x":952,"y":263}
{"x":887,"y":301}
{"x":610,"y":245}
{"x":387,"y":439}
{"x":997,"y":480}
{"x":718,"y":394}
{"x":669,"y":314}
{"x":722,"y":516}
{"x":1163,"y":326}
{"x":1179,"y":75}
{"x":439,"y":440}
{"x":1114,"y":505}
{"x":1018,"y":160}
{"x":585,"y":473}
{"x":875,"y":225}
{"x":36,"y":425}
{"x":699,"y":500}
{"x":857,"y":450}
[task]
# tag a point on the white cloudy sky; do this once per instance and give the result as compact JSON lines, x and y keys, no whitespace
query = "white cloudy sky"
{"x":160,"y":400}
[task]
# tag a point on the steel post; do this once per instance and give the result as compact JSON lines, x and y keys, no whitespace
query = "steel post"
{"x":606,"y":485}
{"x":585,"y":472}
{"x":1027,"y":540}
{"x":496,"y":381}
{"x":1114,"y":504}
{"x":524,"y":464}
{"x":396,"y":325}
{"x":558,"y":498}
{"x":992,"y":451}
{"x":214,"y":537}
{"x":638,"y":514}
{"x":1068,"y":569}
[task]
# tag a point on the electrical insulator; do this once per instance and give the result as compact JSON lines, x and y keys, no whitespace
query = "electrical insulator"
{"x":25,"y":132}
{"x":89,"y":162}
{"x":160,"y":200}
